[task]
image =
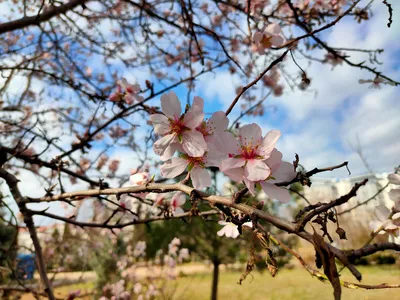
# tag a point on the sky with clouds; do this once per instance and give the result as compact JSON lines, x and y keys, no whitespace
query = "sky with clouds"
{"x":327,"y":122}
{"x":336,"y":115}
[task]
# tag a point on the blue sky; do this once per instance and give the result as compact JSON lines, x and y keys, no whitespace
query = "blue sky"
{"x":322,"y":127}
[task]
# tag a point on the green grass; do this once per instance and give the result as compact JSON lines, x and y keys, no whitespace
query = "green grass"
{"x":296,"y":284}
{"x":288,"y":284}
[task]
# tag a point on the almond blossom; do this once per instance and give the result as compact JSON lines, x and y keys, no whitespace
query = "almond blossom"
{"x":125,"y":202}
{"x":394,"y":194}
{"x":195,"y":165}
{"x":140,"y":178}
{"x":270,"y":36}
{"x":281,"y":171}
{"x":231,"y":230}
{"x":256,"y":5}
{"x":249,"y":151}
{"x":140,"y":249}
{"x":385,"y":224}
{"x":213,"y":127}
{"x":126,"y":92}
{"x":177,"y":201}
{"x":177,"y":130}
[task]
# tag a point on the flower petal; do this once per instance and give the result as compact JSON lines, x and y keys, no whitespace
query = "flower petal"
{"x":174,"y":167}
{"x":256,"y":170}
{"x":163,"y":143}
{"x":374,"y":225}
{"x":394,"y":178}
{"x":225,"y":142}
{"x":193,"y":119}
{"x":214,"y":158}
{"x":159,"y":119}
{"x":179,"y":198}
{"x":235,"y":174}
{"x":200,"y":178}
{"x":198,"y":105}
{"x":277,"y":40}
{"x":394,"y":194}
{"x":177,"y":211}
{"x":273,"y":28}
{"x":275,"y":192}
{"x":274,"y":161}
{"x":234,"y":232}
{"x":269,"y":142}
{"x":232,"y":163}
{"x":250,"y":134}
{"x":160,"y":123}
{"x":382,"y":212}
{"x":285,"y":172}
{"x":170,"y":105}
{"x":250,"y":186}
{"x":170,"y":151}
{"x":218,"y":122}
{"x":257,"y":37}
{"x":193,"y":143}
{"x":221,"y":232}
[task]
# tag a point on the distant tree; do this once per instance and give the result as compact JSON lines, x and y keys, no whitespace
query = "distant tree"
{"x":8,"y":242}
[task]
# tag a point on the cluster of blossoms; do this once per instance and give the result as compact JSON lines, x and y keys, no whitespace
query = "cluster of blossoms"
{"x":388,"y":221}
{"x":126,"y":93}
{"x":134,"y":283}
{"x":270,"y":36}
{"x":249,"y":157}
{"x":171,"y":202}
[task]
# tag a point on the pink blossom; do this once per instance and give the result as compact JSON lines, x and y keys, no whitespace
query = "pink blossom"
{"x":394,"y":178}
{"x":394,"y":194}
{"x":183,"y":254}
{"x":126,"y":92}
{"x":140,"y":249}
{"x":270,"y":36}
{"x":158,"y":199}
{"x":137,"y":288}
{"x":333,"y":59}
{"x":140,"y":178}
{"x":213,"y":127}
{"x":131,"y":91}
{"x":255,"y":5}
{"x":125,"y":202}
{"x":113,"y":165}
{"x":173,"y":246}
{"x":386,"y":224}
{"x":195,"y":165}
{"x":177,"y":201}
{"x":231,"y":230}
{"x":249,"y":151}
{"x":281,"y":171}
{"x":177,"y":130}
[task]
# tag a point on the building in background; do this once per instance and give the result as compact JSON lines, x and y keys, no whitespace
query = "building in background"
{"x":327,"y":189}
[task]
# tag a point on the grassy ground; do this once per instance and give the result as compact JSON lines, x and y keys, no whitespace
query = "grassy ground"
{"x":289,"y":284}
{"x":294,"y":284}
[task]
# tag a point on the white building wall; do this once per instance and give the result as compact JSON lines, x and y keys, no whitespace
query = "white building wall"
{"x":325,"y":190}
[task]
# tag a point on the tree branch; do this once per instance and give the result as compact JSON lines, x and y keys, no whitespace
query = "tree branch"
{"x":49,"y":13}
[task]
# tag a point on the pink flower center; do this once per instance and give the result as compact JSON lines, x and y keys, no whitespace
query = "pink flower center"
{"x":196,"y":161}
{"x":205,"y":129}
{"x":177,"y":126}
{"x":249,"y":151}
